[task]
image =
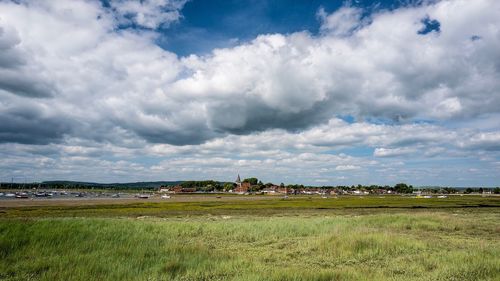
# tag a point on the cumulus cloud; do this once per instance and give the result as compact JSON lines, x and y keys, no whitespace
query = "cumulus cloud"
{"x":85,"y":76}
{"x":17,"y":76}
{"x":31,"y":124}
{"x":384,"y":69}
{"x":381,"y":68}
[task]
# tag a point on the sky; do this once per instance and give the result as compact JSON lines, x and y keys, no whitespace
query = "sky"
{"x":309,"y":92}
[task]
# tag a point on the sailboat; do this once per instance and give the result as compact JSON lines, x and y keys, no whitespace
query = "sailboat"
{"x":143,"y":195}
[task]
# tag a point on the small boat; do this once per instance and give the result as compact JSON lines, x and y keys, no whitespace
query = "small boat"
{"x":10,"y":195}
{"x":165,"y":197}
{"x":1,"y":194}
{"x":40,"y":194}
{"x":22,"y":195}
{"x":116,"y":195}
{"x":143,"y":196}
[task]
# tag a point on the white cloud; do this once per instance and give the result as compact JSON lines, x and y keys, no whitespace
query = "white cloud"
{"x":390,"y":152}
{"x":342,"y":22}
{"x":148,"y":13}
{"x":489,"y":141}
{"x":347,"y":168}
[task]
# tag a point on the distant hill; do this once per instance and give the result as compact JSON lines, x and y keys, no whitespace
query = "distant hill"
{"x":131,"y":185}
{"x":150,"y":185}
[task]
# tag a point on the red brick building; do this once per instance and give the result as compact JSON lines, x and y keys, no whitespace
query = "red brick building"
{"x":241,"y":187}
{"x":180,"y":189}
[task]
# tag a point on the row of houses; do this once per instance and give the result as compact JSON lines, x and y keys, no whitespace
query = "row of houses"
{"x":177,"y":189}
{"x":246,"y":187}
{"x":242,"y":187}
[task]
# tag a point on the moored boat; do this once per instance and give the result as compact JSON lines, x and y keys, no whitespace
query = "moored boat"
{"x":22,"y":195}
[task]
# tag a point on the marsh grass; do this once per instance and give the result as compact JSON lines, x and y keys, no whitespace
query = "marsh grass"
{"x":432,"y":245}
{"x":253,"y":205}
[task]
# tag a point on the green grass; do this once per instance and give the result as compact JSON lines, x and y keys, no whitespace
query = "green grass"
{"x":254,"y":240}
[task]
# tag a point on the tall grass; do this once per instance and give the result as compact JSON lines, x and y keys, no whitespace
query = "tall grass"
{"x":424,"y":246}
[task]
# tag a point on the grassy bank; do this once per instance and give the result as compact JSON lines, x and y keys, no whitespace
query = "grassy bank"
{"x":429,"y":245}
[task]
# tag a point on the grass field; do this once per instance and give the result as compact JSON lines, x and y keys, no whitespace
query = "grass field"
{"x":350,"y":238}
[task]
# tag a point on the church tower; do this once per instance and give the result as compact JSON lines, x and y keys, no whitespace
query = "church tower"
{"x":238,"y":181}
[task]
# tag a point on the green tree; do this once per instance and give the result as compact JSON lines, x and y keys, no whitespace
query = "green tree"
{"x":403,"y":188}
{"x":252,"y":181}
{"x":228,"y":186}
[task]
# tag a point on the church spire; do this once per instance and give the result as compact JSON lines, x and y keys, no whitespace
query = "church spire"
{"x":238,"y":180}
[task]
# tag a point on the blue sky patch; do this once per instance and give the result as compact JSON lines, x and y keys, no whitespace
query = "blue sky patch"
{"x":206,"y":25}
{"x":430,"y":25}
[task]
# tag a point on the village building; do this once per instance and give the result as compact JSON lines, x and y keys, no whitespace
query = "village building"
{"x":164,"y":189}
{"x":283,"y":190}
{"x":180,"y":189}
{"x":241,"y":187}
{"x":177,"y":189}
{"x":270,"y":190}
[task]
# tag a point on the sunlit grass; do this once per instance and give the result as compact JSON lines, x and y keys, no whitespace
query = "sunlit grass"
{"x":431,"y":245}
